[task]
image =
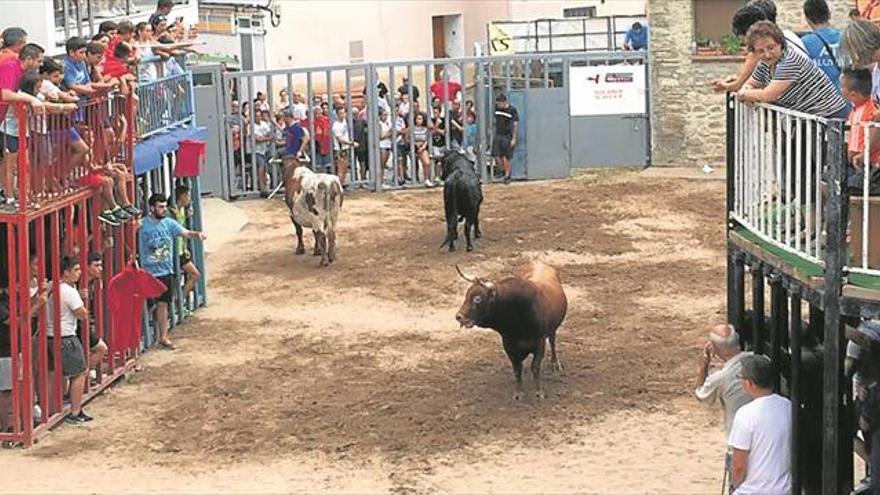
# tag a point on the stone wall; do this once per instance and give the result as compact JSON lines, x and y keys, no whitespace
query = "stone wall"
{"x":687,"y":116}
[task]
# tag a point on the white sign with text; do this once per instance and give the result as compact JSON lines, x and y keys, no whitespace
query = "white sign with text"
{"x":607,"y":90}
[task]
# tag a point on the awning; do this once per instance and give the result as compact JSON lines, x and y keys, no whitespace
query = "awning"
{"x":149,"y":152}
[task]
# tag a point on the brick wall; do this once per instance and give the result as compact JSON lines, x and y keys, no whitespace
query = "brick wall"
{"x":687,"y":116}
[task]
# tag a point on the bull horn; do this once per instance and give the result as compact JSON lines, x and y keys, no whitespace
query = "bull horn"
{"x":469,"y":278}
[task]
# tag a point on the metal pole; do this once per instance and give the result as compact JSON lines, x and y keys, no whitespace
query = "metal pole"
{"x":833,"y":479}
{"x":310,"y":114}
{"x":373,"y":121}
{"x":796,"y":400}
{"x":758,"y":307}
{"x":777,"y":325}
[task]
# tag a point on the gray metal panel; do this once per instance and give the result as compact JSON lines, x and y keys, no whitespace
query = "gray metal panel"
{"x":208,"y":85}
{"x":548,"y":140}
{"x":609,"y":141}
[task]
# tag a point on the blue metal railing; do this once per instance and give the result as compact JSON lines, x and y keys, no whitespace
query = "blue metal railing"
{"x":164,"y":103}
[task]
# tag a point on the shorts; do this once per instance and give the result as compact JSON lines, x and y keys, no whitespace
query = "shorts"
{"x":5,"y":374}
{"x":322,"y":160}
{"x":73,"y":358}
{"x":168,"y":282}
{"x":9,"y":142}
{"x":439,"y":151}
{"x":74,"y":135}
{"x":92,"y":180}
{"x":94,"y":340}
{"x":501,"y":146}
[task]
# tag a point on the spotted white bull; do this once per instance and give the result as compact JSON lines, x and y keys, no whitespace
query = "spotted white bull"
{"x":314,"y":201}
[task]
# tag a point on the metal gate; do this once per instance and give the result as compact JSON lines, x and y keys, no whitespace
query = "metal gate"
{"x":383,"y":102}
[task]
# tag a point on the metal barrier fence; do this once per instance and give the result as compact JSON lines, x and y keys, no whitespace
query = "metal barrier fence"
{"x":163,"y":103}
{"x":779,"y":163}
{"x":402,"y":153}
{"x":780,"y":184}
{"x":864,"y":207}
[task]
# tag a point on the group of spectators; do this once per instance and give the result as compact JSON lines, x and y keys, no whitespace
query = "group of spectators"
{"x":832,"y":73}
{"x":416,"y":137}
{"x":88,"y":145}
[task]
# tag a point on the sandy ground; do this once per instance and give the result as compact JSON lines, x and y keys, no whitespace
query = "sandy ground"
{"x":357,"y":379}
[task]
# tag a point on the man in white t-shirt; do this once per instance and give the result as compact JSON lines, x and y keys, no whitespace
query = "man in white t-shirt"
{"x":342,"y":142}
{"x":761,"y":435}
{"x":300,"y":110}
{"x":73,"y":360}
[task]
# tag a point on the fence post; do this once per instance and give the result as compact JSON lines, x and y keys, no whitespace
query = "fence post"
{"x":836,"y":213}
{"x":377,"y":170}
{"x":795,"y":365}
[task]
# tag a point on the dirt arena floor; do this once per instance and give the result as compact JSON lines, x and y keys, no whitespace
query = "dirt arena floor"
{"x":357,"y":379}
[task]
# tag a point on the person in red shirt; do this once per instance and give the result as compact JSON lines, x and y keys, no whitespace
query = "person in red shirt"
{"x":322,"y":139}
{"x":448,"y":90}
{"x":11,"y":72}
{"x":13,"y":40}
{"x":856,"y":87}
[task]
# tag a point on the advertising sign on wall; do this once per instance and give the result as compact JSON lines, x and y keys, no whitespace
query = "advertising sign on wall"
{"x":607,"y":90}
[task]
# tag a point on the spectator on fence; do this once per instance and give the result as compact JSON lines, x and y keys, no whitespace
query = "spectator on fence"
{"x":760,"y":435}
{"x":163,"y":9}
{"x":147,"y":67}
{"x":456,"y":125}
{"x":299,"y":108}
{"x":419,"y":138}
{"x":342,"y":143}
{"x":77,"y":75}
{"x":401,"y":129}
{"x":857,"y":89}
{"x":438,"y":136}
{"x":156,"y":248}
{"x":191,"y":273}
{"x":862,"y":358}
{"x":72,"y":358}
{"x":786,"y":77}
{"x":260,"y":102}
{"x":404,"y":89}
{"x":110,"y":28}
{"x":722,"y":386}
{"x":823,"y":42}
{"x":445,"y":90}
{"x":92,"y":292}
{"x":636,"y":37}
{"x":743,"y":19}
{"x":506,"y":131}
{"x":283,"y":101}
{"x":861,"y":41}
{"x":11,"y":73}
{"x":321,"y":127}
{"x":296,"y":140}
{"x":384,"y":140}
{"x":12,"y":40}
{"x":470,"y":135}
{"x":360,"y":135}
{"x":264,"y":135}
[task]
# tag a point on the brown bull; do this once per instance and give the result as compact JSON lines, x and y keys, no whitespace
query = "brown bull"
{"x":526,"y":310}
{"x":314,"y":201}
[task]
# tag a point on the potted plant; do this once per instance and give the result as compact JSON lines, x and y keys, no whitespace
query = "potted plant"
{"x":732,"y":45}
{"x":705,"y":46}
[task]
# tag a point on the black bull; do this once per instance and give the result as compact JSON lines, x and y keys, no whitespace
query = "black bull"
{"x":462,"y":196}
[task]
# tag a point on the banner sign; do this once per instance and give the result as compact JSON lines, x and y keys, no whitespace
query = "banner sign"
{"x":607,"y":90}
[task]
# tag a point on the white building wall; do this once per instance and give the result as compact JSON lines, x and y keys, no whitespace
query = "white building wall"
{"x":526,"y":10}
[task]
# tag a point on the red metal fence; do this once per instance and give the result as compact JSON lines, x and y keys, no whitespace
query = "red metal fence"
{"x":57,"y":215}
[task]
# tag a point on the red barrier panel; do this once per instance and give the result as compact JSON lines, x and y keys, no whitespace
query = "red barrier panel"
{"x":57,"y":215}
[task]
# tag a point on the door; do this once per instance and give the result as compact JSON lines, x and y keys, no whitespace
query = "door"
{"x":547,"y":144}
{"x":208,"y":89}
{"x":438,"y":29}
{"x":610,"y":123}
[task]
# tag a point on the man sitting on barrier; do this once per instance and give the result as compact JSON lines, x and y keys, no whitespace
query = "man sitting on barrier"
{"x":856,"y":87}
{"x":636,"y":37}
{"x":296,"y":140}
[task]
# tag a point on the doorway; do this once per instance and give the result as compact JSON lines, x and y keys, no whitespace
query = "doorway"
{"x":448,"y":36}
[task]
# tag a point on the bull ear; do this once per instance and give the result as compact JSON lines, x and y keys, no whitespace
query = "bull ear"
{"x":470,"y":278}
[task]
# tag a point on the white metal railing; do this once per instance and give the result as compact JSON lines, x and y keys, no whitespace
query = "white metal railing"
{"x":864,"y":204}
{"x":778,"y":166}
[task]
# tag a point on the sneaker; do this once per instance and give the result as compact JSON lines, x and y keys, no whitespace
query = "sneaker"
{"x":74,"y":420}
{"x":131,"y":210}
{"x":84,"y":417}
{"x":429,"y":184}
{"x":507,"y":179}
{"x":107,"y":217}
{"x":121,"y":215}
